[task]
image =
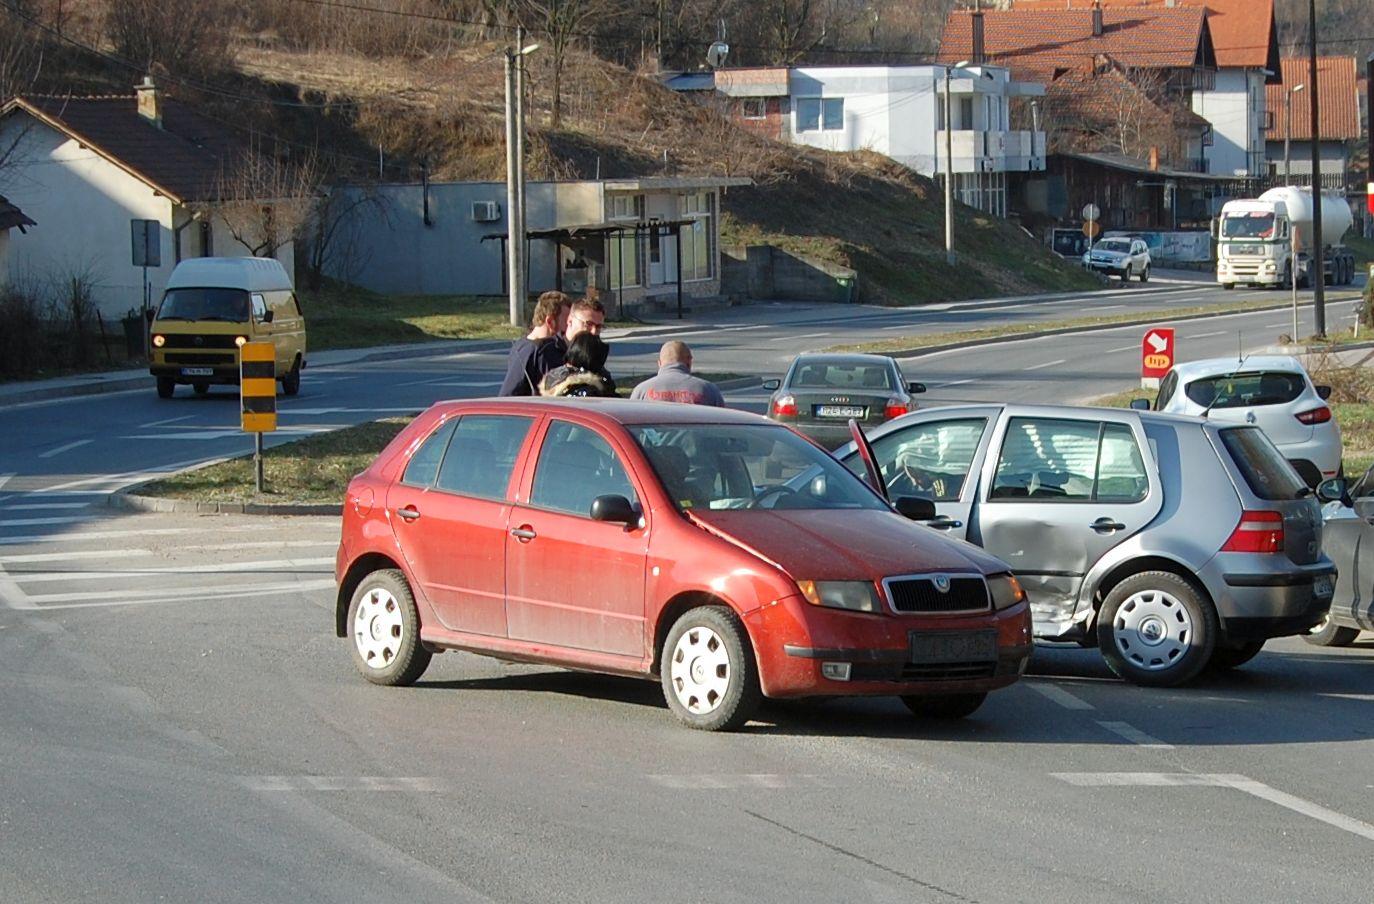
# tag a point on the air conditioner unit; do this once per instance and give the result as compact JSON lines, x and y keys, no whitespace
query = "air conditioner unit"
{"x":485,"y":211}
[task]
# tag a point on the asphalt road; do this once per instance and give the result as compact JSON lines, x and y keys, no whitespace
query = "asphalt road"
{"x":179,"y":723}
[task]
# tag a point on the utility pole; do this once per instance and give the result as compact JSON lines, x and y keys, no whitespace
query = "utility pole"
{"x":515,"y":177}
{"x":949,"y":173}
{"x":1318,"y":257}
{"x":1369,"y":126}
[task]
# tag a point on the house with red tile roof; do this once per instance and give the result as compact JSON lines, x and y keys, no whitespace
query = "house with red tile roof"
{"x":87,"y":167}
{"x":1244,"y":38}
{"x":1338,"y":111}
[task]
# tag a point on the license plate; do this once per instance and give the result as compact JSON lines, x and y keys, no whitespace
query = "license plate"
{"x":839,"y":411}
{"x":954,"y":646}
{"x":197,"y":371}
{"x":1323,"y":586}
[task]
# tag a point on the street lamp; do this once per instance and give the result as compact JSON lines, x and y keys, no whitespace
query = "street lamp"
{"x":949,"y":162}
{"x":515,"y":175}
{"x":1288,"y":128}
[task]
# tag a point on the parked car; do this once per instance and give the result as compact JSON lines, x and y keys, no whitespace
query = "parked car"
{"x":1171,"y":543}
{"x":1274,"y":393}
{"x":664,"y":541}
{"x":1348,"y":540}
{"x":822,"y":393}
{"x":1120,"y":256}
{"x":211,"y":307}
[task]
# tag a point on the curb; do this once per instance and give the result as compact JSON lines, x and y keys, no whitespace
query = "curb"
{"x":130,"y":501}
{"x":922,"y":350}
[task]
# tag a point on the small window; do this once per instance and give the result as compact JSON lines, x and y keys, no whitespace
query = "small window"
{"x":1120,"y":469}
{"x":1264,"y":468}
{"x":753,"y":108}
{"x":1166,"y":390}
{"x":1047,"y":459}
{"x":832,"y":114}
{"x":931,"y":459}
{"x":481,"y":456}
{"x":424,"y":464}
{"x":576,"y":465}
{"x":815,"y":114}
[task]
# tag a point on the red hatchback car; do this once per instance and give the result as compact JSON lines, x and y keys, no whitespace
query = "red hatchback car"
{"x":714,"y":550}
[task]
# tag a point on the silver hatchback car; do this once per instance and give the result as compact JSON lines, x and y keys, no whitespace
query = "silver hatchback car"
{"x":1170,"y":542}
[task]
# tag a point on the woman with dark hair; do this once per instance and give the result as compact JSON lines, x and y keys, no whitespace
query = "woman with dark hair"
{"x":583,"y":372}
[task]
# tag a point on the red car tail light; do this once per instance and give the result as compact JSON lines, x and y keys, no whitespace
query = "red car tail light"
{"x":1315,"y":416}
{"x":1256,"y":532}
{"x":785,"y":406}
{"x":895,"y":407}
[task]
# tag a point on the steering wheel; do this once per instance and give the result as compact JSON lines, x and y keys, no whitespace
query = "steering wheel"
{"x":775,"y":490}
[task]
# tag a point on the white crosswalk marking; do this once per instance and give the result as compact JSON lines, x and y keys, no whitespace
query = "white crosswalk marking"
{"x":49,"y":577}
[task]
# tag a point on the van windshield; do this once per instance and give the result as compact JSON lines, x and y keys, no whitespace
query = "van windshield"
{"x":1255,"y":225}
{"x":229,"y":305}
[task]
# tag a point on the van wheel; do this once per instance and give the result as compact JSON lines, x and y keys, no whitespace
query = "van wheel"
{"x":291,"y":383}
{"x":1226,"y":657}
{"x":385,"y":629}
{"x":1145,"y":274}
{"x":166,"y":387}
{"x":943,"y":706}
{"x":1156,"y":629}
{"x":201,"y":388}
{"x":709,"y":676}
{"x":1327,"y":633}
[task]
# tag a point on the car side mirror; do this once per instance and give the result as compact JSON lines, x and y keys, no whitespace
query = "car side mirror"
{"x":1323,"y":392}
{"x":772,"y":384}
{"x":1334,"y":490}
{"x":1140,"y":404}
{"x":267,"y":315}
{"x":917,"y":508}
{"x":614,"y":509}
{"x":915,"y":387}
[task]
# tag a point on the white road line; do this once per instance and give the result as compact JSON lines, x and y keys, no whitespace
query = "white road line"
{"x":1105,"y":307}
{"x":258,"y":544}
{"x":1058,"y":695}
{"x":103,"y":598}
{"x":1273,"y":326}
{"x":798,"y":338}
{"x":345,"y":783}
{"x":5,"y":478}
{"x":162,"y":423}
{"x":1124,"y":348}
{"x":50,"y":577}
{"x":1208,"y":335}
{"x":1363,"y":698}
{"x":1135,"y":735}
{"x":1220,"y":780}
{"x":36,"y":522}
{"x":900,"y":326}
{"x":722,"y":781}
{"x":37,"y":506}
{"x":35,"y":557}
{"x":67,"y":448}
{"x":950,"y":383}
{"x":86,"y":536}
{"x":1045,"y":365}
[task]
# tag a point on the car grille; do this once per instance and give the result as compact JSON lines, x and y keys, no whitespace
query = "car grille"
{"x":921,"y":594}
{"x":220,"y":359}
{"x":175,"y":340}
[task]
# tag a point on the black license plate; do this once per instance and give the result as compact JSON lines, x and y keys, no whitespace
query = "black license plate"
{"x":954,"y":646}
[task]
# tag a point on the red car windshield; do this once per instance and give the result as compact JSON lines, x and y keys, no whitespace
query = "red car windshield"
{"x":740,"y":466}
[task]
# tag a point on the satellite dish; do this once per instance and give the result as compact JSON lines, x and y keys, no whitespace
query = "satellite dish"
{"x":716,"y":54}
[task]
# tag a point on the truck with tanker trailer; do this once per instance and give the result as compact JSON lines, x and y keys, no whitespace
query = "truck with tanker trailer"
{"x":1265,"y":241}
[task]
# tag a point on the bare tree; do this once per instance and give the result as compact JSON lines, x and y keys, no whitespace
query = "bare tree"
{"x":182,"y":36}
{"x":265,"y":203}
{"x":560,"y":22}
{"x":330,"y":236}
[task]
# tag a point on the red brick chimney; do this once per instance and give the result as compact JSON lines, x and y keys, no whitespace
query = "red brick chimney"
{"x":979,"y":47}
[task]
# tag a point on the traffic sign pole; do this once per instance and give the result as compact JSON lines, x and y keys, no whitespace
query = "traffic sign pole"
{"x":258,"y":397}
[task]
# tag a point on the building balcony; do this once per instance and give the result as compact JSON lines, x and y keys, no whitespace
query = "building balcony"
{"x":992,"y":151}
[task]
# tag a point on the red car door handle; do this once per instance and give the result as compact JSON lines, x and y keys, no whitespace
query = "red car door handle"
{"x":409,"y":513}
{"x":523,"y":534}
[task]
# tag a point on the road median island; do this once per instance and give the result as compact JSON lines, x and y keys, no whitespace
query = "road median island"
{"x":307,"y":476}
{"x":905,"y":346}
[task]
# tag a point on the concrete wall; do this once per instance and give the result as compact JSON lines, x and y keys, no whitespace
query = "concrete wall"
{"x":1235,"y":108}
{"x":766,"y":272}
{"x":387,"y":247}
{"x":85,"y":204}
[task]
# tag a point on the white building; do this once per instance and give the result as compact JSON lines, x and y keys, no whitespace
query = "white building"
{"x":897,"y":111}
{"x":88,"y":167}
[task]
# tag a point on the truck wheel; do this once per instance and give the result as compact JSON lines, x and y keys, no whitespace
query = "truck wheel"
{"x":166,"y":387}
{"x":1327,"y":633}
{"x":1156,"y":629}
{"x":1228,"y":286}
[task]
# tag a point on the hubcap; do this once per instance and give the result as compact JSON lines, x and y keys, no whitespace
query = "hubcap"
{"x":699,"y":670}
{"x":1152,"y":630}
{"x":378,"y":628}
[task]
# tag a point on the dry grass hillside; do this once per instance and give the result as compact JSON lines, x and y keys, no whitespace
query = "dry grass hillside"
{"x":861,"y":209}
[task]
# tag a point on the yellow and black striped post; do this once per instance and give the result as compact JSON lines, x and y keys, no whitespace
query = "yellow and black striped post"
{"x":258,"y":395}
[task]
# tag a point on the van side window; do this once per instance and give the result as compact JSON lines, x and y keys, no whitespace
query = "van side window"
{"x":259,"y":307}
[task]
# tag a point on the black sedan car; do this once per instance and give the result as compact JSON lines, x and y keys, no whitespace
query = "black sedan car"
{"x":1348,"y":539}
{"x":822,"y":392}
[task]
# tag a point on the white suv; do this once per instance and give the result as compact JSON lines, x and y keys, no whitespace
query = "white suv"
{"x":1271,"y":391}
{"x":1121,"y":256}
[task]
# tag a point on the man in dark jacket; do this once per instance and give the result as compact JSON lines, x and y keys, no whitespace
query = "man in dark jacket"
{"x":541,"y":351}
